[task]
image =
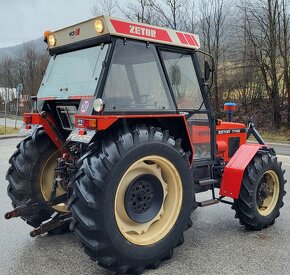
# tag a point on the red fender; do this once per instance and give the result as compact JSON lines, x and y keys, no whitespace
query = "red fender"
{"x":234,"y":170}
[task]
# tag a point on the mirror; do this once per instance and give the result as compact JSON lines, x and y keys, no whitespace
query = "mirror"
{"x":175,"y":75}
{"x":207,"y":70}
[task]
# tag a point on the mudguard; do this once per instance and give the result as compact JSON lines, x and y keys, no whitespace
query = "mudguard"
{"x":234,"y":170}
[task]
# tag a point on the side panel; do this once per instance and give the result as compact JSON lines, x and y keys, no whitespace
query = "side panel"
{"x":234,"y":170}
{"x":229,"y":137}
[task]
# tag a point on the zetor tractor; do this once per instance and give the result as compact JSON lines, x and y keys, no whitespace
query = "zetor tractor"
{"x":121,"y":139}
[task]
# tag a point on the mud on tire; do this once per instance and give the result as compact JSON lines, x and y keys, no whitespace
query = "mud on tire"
{"x":262,"y":191}
{"x":95,"y":191}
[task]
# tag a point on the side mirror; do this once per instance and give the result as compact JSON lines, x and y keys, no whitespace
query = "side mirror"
{"x":207,"y":70}
{"x":175,"y":75}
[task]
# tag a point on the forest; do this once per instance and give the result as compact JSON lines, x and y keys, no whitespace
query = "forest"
{"x":248,"y":39}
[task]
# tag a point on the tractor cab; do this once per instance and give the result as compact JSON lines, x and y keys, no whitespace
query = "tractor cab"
{"x":107,"y":69}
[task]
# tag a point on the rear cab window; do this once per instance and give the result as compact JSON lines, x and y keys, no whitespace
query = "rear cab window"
{"x":135,"y":80}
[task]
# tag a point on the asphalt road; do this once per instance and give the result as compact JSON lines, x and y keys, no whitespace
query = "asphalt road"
{"x":11,"y":122}
{"x":216,"y":244}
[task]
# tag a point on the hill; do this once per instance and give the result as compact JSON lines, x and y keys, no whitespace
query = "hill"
{"x":40,"y":46}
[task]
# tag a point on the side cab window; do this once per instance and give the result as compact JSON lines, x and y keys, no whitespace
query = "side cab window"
{"x":183,"y":80}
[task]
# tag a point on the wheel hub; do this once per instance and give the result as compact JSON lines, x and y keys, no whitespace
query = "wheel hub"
{"x":267,"y":193}
{"x":144,"y":198}
{"x":263,"y":192}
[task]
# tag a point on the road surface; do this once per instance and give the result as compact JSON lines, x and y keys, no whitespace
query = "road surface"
{"x":10,"y":122}
{"x":216,"y":244}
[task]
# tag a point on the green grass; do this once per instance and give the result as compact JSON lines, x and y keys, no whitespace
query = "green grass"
{"x":9,"y":130}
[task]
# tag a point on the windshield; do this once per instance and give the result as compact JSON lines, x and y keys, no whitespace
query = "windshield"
{"x":73,"y":74}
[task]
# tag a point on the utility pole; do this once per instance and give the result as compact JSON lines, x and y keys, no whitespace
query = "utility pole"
{"x":5,"y":112}
{"x":19,"y":90}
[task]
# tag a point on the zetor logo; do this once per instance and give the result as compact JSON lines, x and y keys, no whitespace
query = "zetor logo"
{"x":142,"y":31}
{"x":74,"y":33}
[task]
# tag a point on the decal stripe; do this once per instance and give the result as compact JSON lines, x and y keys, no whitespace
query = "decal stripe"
{"x":189,"y":39}
{"x":181,"y":38}
{"x":194,"y":41}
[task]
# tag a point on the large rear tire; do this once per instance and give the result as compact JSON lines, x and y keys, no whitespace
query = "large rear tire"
{"x":31,"y":174}
{"x":262,"y":191}
{"x":131,"y":200}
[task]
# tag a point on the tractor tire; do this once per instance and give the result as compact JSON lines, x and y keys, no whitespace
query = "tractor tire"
{"x":30,"y":176}
{"x":261,"y":194}
{"x":132,"y":198}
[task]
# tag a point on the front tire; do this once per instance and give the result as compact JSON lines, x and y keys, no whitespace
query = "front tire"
{"x":119,"y":214}
{"x":261,"y":194}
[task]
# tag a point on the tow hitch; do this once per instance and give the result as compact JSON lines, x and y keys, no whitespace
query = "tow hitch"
{"x":29,"y":208}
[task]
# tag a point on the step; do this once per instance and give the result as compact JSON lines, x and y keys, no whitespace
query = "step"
{"x":207,"y":182}
{"x":207,"y":202}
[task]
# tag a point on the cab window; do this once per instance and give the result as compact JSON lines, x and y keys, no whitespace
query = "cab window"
{"x":183,"y":80}
{"x":135,"y":80}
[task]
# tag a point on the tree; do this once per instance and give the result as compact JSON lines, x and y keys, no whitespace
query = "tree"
{"x":105,"y":7}
{"x":213,"y":26}
{"x":262,"y":32}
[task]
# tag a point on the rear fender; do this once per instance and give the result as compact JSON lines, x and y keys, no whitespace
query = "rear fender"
{"x":176,"y":124}
{"x":234,"y":170}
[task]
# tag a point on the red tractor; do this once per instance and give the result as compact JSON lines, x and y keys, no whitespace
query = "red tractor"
{"x":122,"y":137}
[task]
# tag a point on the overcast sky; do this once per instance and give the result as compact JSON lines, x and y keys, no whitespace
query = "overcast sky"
{"x":24,"y":20}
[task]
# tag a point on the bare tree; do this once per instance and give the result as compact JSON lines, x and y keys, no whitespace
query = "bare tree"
{"x":141,"y":11}
{"x":262,"y":32}
{"x":213,"y":25}
{"x":284,"y":45}
{"x":171,"y":12}
{"x":105,"y":7}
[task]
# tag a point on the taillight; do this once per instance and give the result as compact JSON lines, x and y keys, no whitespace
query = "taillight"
{"x":87,"y":123}
{"x":27,"y":119}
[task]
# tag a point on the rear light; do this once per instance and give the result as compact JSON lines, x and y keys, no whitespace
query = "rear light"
{"x":87,"y":123}
{"x":27,"y":119}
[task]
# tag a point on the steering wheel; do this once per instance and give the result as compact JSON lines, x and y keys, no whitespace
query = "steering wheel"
{"x":146,"y":98}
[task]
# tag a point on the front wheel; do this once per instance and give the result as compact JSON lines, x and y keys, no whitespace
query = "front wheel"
{"x":262,"y":191}
{"x":132,"y":200}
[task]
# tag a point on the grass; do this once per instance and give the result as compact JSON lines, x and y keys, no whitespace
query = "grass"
{"x":9,"y":130}
{"x":281,"y":135}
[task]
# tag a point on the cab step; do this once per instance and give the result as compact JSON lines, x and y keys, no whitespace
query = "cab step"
{"x":207,"y":202}
{"x":207,"y":182}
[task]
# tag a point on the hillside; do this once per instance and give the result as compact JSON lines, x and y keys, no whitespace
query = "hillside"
{"x":11,"y":51}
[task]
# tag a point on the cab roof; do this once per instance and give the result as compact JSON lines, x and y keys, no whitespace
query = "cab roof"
{"x":122,"y":28}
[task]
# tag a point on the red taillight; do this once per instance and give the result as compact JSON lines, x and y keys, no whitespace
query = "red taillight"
{"x":90,"y":123}
{"x":27,"y":119}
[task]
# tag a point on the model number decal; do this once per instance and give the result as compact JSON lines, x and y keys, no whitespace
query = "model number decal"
{"x":231,"y":131}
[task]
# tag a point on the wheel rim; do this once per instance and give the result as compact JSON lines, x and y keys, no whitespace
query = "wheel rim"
{"x":159,"y":171}
{"x":46,"y":180}
{"x":267,"y":193}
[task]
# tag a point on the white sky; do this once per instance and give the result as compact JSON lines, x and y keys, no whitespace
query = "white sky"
{"x":24,"y":20}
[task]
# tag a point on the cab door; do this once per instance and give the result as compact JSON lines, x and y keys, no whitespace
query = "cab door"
{"x":189,"y":99}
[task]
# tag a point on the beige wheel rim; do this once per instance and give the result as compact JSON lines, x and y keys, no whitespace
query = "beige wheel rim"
{"x":269,"y":189}
{"x":46,"y":180}
{"x":158,"y":227}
